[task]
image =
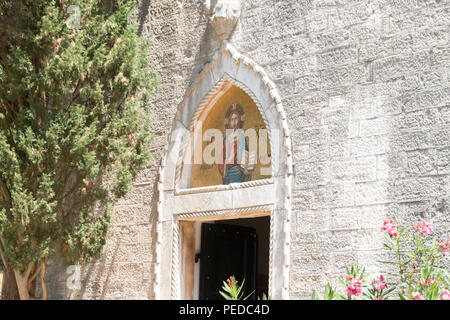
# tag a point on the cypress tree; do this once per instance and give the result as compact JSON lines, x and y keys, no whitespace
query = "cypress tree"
{"x":74,"y":128}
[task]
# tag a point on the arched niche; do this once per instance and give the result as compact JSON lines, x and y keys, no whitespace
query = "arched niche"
{"x":180,"y":204}
{"x":205,"y":154}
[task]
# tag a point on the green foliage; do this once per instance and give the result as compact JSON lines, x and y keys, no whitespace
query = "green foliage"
{"x":417,"y":262}
{"x":74,"y":130}
{"x":264,"y":297}
{"x":330,"y":293}
{"x":379,"y":290}
{"x":416,"y":256}
{"x":231,"y":291}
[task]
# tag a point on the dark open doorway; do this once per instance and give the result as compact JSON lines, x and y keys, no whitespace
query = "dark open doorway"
{"x":238,"y":247}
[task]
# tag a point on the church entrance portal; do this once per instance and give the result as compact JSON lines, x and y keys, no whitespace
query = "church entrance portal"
{"x":224,"y":248}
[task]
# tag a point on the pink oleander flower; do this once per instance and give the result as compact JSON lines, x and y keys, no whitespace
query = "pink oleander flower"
{"x":417,"y":296}
{"x":231,"y":281}
{"x":445,"y":295}
{"x":444,"y":246}
{"x":429,"y":282}
{"x":355,"y":287}
{"x":424,"y":228}
{"x":378,"y":283}
{"x":390,"y":227}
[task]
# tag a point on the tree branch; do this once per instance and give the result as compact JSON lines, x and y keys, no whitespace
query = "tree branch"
{"x":29,"y":269}
{"x":4,"y":192}
{"x":44,"y":287}
{"x":2,"y":244}
{"x":30,"y":280}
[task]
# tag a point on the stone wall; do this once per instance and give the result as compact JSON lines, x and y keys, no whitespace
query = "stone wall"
{"x":365,"y":86}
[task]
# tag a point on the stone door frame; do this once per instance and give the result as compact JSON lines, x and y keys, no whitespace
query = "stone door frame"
{"x":187,"y":241}
{"x":179,"y":205}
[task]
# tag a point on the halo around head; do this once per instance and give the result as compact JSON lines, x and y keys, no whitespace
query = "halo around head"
{"x":234,"y":107}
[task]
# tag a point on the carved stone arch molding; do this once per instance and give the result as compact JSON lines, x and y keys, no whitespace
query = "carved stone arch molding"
{"x":272,"y":196}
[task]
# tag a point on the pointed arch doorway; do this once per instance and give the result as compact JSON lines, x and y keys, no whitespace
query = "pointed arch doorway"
{"x":188,"y":197}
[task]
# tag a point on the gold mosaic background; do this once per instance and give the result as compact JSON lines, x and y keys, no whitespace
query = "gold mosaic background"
{"x":208,"y":175}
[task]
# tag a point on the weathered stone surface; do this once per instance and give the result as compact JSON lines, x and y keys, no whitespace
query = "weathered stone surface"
{"x":366,"y":90}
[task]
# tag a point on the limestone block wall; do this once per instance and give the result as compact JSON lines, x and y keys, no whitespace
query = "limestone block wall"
{"x":365,"y":86}
{"x":366,"y":89}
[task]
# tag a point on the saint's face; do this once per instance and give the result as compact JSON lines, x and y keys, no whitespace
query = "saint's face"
{"x":234,"y":121}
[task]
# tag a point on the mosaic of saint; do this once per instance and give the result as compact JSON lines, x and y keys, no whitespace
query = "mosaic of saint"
{"x":235,"y":147}
{"x":235,"y":137}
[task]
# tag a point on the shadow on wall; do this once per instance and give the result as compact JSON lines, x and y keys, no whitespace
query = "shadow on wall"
{"x":107,"y":277}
